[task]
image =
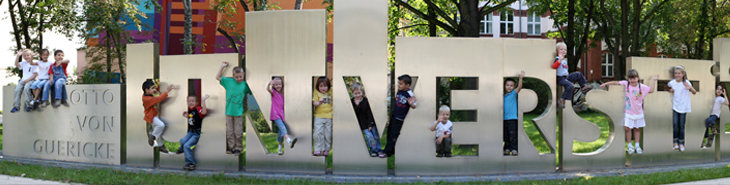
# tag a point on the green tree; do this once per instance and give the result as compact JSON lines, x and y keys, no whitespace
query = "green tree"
{"x":458,"y":18}
{"x":110,"y":17}
{"x":632,"y":30}
{"x":573,"y":20}
{"x":689,"y":32}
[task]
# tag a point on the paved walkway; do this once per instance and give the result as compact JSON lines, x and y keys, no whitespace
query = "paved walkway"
{"x":7,"y":180}
{"x":713,"y":181}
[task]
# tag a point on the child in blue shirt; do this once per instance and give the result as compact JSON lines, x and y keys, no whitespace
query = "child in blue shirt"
{"x":509,"y":133}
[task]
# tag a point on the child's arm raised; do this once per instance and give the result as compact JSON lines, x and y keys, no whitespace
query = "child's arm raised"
{"x":412,"y":101}
{"x":433,"y":127}
{"x":17,"y":58}
{"x":653,"y":81}
{"x":519,"y":87}
{"x":204,"y":111}
{"x":64,"y":61}
{"x":268,"y":87}
{"x":220,"y":71}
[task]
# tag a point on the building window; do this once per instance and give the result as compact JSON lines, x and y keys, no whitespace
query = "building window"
{"x":485,"y":25}
{"x":506,"y":22}
{"x":607,"y":65}
{"x":662,"y":56}
{"x":533,"y":24}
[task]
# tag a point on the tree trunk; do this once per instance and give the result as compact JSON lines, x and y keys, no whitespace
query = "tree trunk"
{"x":188,"y":33}
{"x":702,"y":32}
{"x":635,"y":44}
{"x":11,"y":10}
{"x":469,"y":24}
{"x":620,"y":65}
{"x":431,"y":25}
{"x":230,"y":39}
{"x":298,"y":5}
{"x":569,"y":41}
{"x":108,"y":56}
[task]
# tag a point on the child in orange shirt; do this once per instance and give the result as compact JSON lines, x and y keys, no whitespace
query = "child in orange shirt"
{"x":150,"y":103}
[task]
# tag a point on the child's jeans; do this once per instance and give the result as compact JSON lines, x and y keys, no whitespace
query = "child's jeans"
{"x":567,"y":83}
{"x":187,"y":143}
{"x":158,"y":127}
{"x":444,"y":147}
{"x":20,"y":89}
{"x":678,"y":120}
{"x":282,"y":130}
{"x":322,"y":134}
{"x":709,"y":123}
{"x":39,"y":84}
{"x":59,"y":86}
{"x":373,"y":140}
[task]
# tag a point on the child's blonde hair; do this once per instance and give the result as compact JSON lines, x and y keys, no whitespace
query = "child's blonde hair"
{"x":560,"y":44}
{"x":444,"y":108}
{"x":237,"y":70}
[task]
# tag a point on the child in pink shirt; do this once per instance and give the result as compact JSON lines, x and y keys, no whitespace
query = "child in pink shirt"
{"x":275,"y":88}
{"x":634,"y":118}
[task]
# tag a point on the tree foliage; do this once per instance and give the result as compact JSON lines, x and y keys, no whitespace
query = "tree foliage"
{"x":688,"y":32}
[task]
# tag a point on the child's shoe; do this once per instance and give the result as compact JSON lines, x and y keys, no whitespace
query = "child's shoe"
{"x":447,"y":155}
{"x":229,"y":151}
{"x":28,"y":108}
{"x":326,"y":153}
{"x":714,"y":130}
{"x":561,"y":103}
{"x":631,"y":149}
{"x":151,"y":140}
{"x":189,"y":167}
{"x":57,"y":104}
{"x":316,"y":153}
{"x":381,"y":154}
{"x":31,"y":103}
{"x":676,"y":146}
{"x":15,"y":109}
{"x":236,"y":152}
{"x":373,"y":154}
{"x":179,"y":151}
{"x":514,"y":152}
{"x":164,"y":150}
{"x":280,"y":153}
{"x":506,"y":151}
{"x":638,"y":150}
{"x":292,"y":142}
{"x":681,"y":148}
{"x":44,"y":104}
{"x":440,"y":155}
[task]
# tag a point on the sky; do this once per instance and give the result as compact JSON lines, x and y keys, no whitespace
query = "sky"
{"x":50,"y":40}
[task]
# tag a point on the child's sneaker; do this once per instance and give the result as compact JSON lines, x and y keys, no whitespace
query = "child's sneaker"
{"x":15,"y":109}
{"x":179,"y":151}
{"x":229,"y":151}
{"x":681,"y":148}
{"x":292,"y":142}
{"x":676,"y":146}
{"x":44,"y":104}
{"x":506,"y":151}
{"x":32,"y":103}
{"x":381,"y":155}
{"x":28,"y":108}
{"x":373,"y":154}
{"x":151,"y":140}
{"x":440,"y":155}
{"x":561,"y":103}
{"x":714,"y":130}
{"x":57,"y":104}
{"x":280,"y":153}
{"x":189,"y":167}
{"x":316,"y":153}
{"x":164,"y":150}
{"x":638,"y":150}
{"x":326,"y":153}
{"x":631,"y":150}
{"x":447,"y":155}
{"x":514,"y":152}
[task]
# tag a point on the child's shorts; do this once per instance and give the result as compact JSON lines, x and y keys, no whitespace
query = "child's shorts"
{"x":634,"y":121}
